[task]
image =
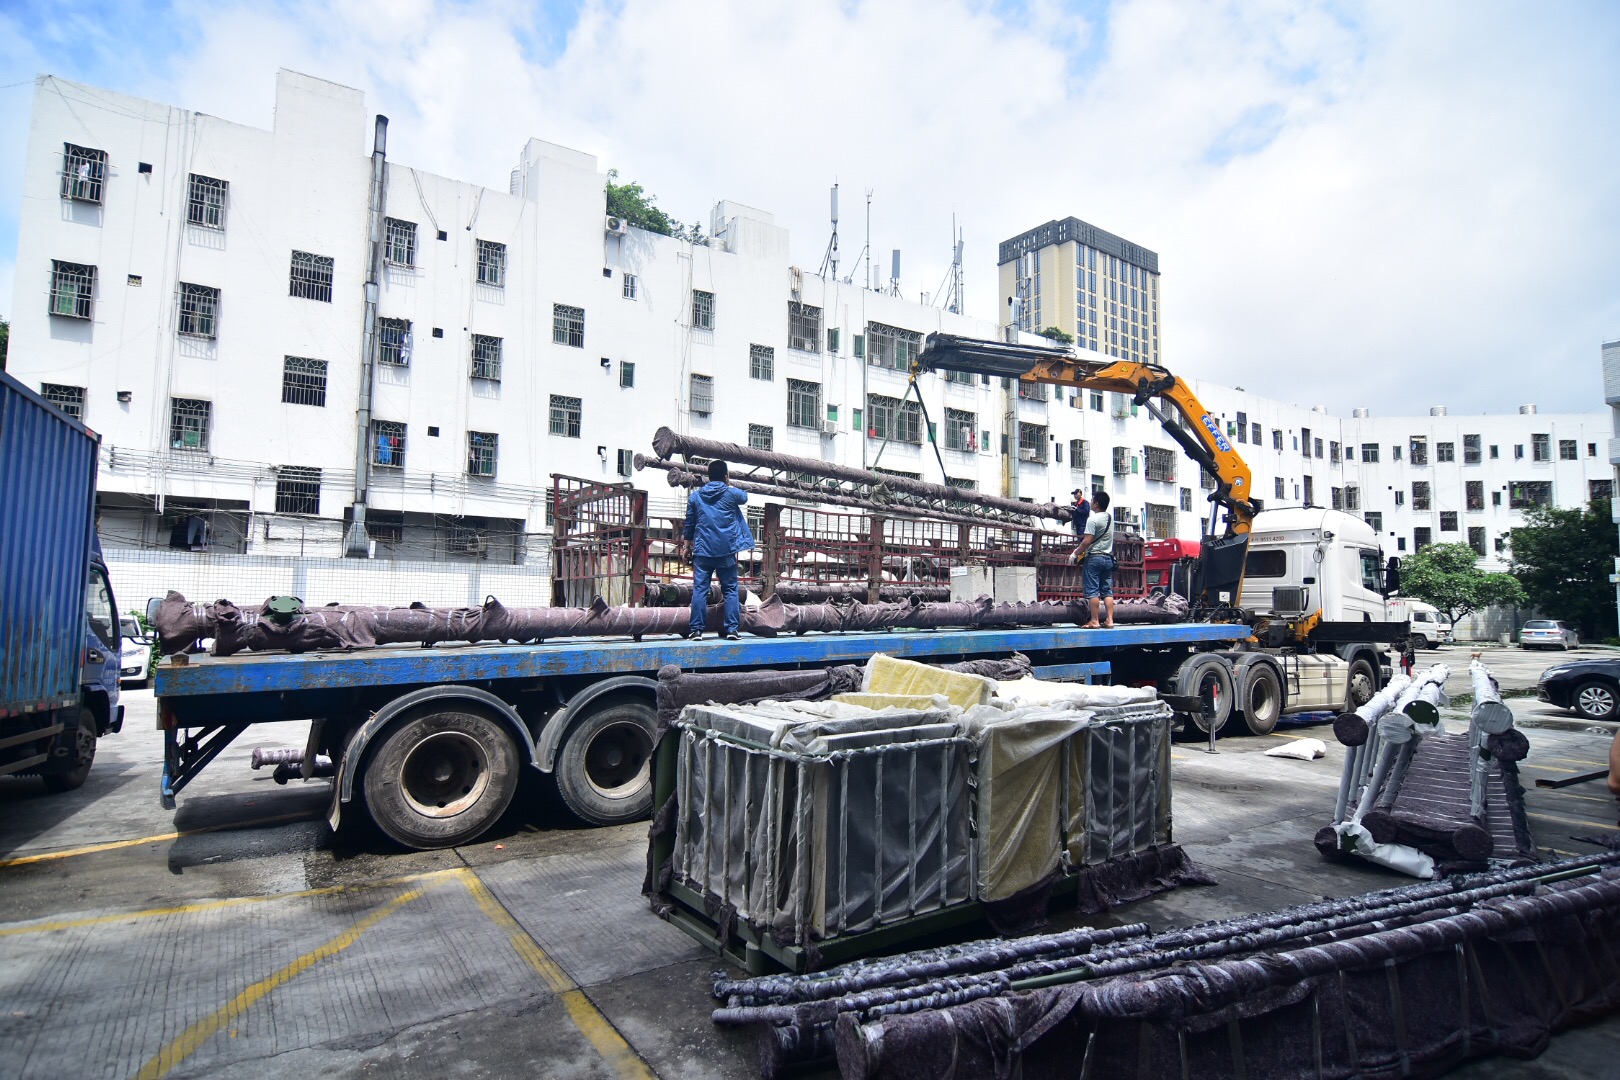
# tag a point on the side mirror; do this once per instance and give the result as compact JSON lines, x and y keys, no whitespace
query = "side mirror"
{"x":152,"y":606}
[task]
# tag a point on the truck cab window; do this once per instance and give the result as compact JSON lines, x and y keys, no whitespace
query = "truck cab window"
{"x":1369,"y":570}
{"x":98,"y":606}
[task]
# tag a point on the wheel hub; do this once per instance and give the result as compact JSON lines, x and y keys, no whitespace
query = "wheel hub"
{"x":444,"y":774}
{"x":616,"y":762}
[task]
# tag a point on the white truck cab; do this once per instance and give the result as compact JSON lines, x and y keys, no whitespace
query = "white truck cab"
{"x":1304,"y":560}
{"x":1428,"y":624}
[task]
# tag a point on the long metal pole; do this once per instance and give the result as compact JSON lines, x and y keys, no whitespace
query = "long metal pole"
{"x":357,"y":544}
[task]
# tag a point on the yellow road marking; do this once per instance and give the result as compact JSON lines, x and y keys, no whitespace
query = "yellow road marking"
{"x":1609,"y":826}
{"x":596,"y":1028}
{"x":68,"y":853}
{"x":184,"y":1045}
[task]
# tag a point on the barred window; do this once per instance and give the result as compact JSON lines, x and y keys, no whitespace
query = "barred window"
{"x":1186,"y":499}
{"x":1567,"y":450}
{"x":893,"y":419}
{"x":702,"y":310}
{"x":804,"y":327}
{"x":1334,"y":453}
{"x":399,"y":243}
{"x":1079,"y":455}
{"x":761,"y":437}
{"x":1420,"y":495}
{"x":1445,"y":451}
{"x":961,"y":483}
{"x":70,"y":399}
{"x":892,"y":347}
{"x":492,"y":266}
{"x":1540,"y":448}
{"x":394,"y":342}
{"x":387,"y":444}
{"x":1374,"y":520}
{"x":303,"y":381}
{"x":1352,"y":497}
{"x":1422,"y":537}
{"x":1474,"y":495}
{"x":1600,"y":489}
{"x":568,"y":325}
{"x":188,"y":423}
{"x":1242,"y":427}
{"x":1032,"y":391}
{"x":629,"y":286}
{"x":627,"y":373}
{"x":83,"y":171}
{"x":565,"y":416}
{"x":1448,"y":521}
{"x":311,"y":277}
{"x":803,"y":404}
{"x":1523,"y":494}
{"x":298,"y":490}
{"x":1476,"y":540}
{"x":1336,"y":498}
{"x":73,"y":289}
{"x":481,"y":452}
{"x":486,"y":357}
{"x":1031,"y":442}
{"x":1160,"y":521}
{"x":701,"y":397}
{"x":961,"y":427}
{"x":960,"y":378}
{"x":761,"y":362}
{"x":1418,"y":450}
{"x":1471,"y":454}
{"x":205,"y":202}
{"x":199,"y":310}
{"x":1159,"y":464}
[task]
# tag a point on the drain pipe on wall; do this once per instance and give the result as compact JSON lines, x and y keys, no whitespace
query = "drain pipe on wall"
{"x":357,"y":544}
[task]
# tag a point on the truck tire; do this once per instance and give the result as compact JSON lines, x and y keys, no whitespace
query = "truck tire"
{"x":1361,"y":684}
{"x":1260,"y":698}
{"x":1207,"y":677}
{"x":84,"y":755}
{"x":440,"y":776}
{"x":604,"y":770}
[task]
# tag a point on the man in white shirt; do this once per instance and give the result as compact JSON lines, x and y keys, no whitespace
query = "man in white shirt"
{"x":1096,"y":557}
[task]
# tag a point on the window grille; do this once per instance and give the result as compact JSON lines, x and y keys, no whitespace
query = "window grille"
{"x":1448,"y":521}
{"x":199,"y":310}
{"x":83,"y":171}
{"x":1417,"y":450}
{"x":1186,"y":499}
{"x":1310,"y":491}
{"x":492,"y":266}
{"x":486,"y":357}
{"x":1032,"y":391}
{"x":1567,"y":450}
{"x":804,"y":327}
{"x":1160,"y":521}
{"x":897,"y":472}
{"x":1374,"y":520}
{"x":702,"y":310}
{"x":1159,"y":464}
{"x":481,"y":453}
{"x":701,"y":396}
{"x":399,"y":242}
{"x":961,"y":483}
{"x":1471,"y":453}
{"x":761,"y":437}
{"x":1336,"y":498}
{"x":1079,"y":455}
{"x":73,"y":289}
{"x":893,"y":419}
{"x":70,"y":399}
{"x":627,"y":373}
{"x":1540,"y":448}
{"x":394,"y":342}
{"x":1422,"y":537}
{"x":1420,"y":494}
{"x":1476,"y":540}
{"x":1352,"y":497}
{"x":1524,"y":494}
{"x":387,"y":444}
{"x":1277,"y":487}
{"x":804,"y":402}
{"x":960,"y":378}
{"x":629,"y":286}
{"x":1600,"y":489}
{"x":568,"y":325}
{"x":298,"y":490}
{"x":311,"y":277}
{"x":890,"y":346}
{"x":565,"y":416}
{"x":303,"y":381}
{"x":205,"y":202}
{"x":1334,"y":453}
{"x":1474,"y":495}
{"x":189,"y":423}
{"x":761,"y":362}
{"x":1445,"y":451}
{"x":960,"y":428}
{"x":1032,"y":443}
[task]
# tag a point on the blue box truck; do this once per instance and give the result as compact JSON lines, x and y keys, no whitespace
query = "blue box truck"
{"x":59,"y":634}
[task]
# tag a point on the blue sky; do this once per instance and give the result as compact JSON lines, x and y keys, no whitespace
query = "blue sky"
{"x":1382,"y":203}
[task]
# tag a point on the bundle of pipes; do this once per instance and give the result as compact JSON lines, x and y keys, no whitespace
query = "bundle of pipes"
{"x":294,"y":628}
{"x":899,"y":1016}
{"x":679,"y":593}
{"x":841,"y":484}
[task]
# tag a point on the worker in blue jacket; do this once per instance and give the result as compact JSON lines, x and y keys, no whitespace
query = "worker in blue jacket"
{"x":716,"y":531}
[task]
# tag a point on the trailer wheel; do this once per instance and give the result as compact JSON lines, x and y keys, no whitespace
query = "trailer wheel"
{"x":604,"y":771}
{"x":1207,"y":677}
{"x":1362,"y":684}
{"x":1261,"y":695}
{"x":440,"y":777}
{"x":84,"y":755}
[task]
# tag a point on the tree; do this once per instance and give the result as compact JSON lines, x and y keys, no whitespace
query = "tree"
{"x":634,"y":205}
{"x":1448,"y":576}
{"x":5,"y":340}
{"x":1564,"y":559}
{"x":1062,"y":337}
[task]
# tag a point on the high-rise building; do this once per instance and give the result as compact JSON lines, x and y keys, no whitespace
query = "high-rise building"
{"x":1087,"y":282}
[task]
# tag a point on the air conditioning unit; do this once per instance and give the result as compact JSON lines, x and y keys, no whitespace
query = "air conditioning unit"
{"x":829,"y":427}
{"x":1028,"y":453}
{"x":615,"y":226}
{"x":475,"y":544}
{"x":795,"y":281}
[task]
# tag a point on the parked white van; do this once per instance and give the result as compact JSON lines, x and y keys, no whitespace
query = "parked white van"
{"x":1427,"y":622}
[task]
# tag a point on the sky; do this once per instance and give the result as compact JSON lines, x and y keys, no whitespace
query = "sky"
{"x":1386,"y":204}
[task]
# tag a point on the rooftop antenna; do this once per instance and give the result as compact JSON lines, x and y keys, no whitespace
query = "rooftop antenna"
{"x":950,"y":290}
{"x":829,"y":261}
{"x":867,"y":250}
{"x":894,"y":274}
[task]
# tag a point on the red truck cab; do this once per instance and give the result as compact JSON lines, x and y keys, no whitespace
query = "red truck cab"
{"x":1162,"y":564}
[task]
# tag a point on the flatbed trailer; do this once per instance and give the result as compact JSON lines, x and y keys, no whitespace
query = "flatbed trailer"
{"x":430,"y":741}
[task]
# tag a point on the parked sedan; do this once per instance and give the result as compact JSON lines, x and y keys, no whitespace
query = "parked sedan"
{"x":1548,"y":634}
{"x":136,"y":663}
{"x":1590,"y":687}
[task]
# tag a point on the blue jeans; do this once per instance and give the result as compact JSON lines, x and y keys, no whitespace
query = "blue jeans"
{"x":1097,"y":576}
{"x":726,"y":568}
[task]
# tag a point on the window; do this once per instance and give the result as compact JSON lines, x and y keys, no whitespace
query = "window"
{"x":399,"y":242}
{"x":627,"y":373}
{"x":1276,"y":439}
{"x":1524,"y":494}
{"x":1352,"y":497}
{"x":83,"y":171}
{"x":1518,"y":452}
{"x":761,"y":437}
{"x":1448,"y":521}
{"x":565,"y":416}
{"x":1496,"y":498}
{"x":568,"y":326}
{"x":1122,"y":461}
{"x":1395,"y":453}
{"x":1374,"y":520}
{"x":891,"y":347}
{"x":199,"y":310}
{"x":960,"y":426}
{"x":629,"y":286}
{"x":1420,"y":494}
{"x":893,"y":419}
{"x":1254,"y":434}
{"x":73,"y":289}
{"x":1277,"y":488}
{"x":1159,"y":464}
{"x":1369,"y":452}
{"x":625,"y":462}
{"x":1422,"y":537}
{"x":1540,"y":448}
{"x":303,"y":381}
{"x":1471,"y":450}
{"x":1400,"y":497}
{"x":394,"y":342}
{"x":804,"y":402}
{"x":1305,"y":441}
{"x":311,"y":277}
{"x":1495,"y":453}
{"x":387,"y":444}
{"x":1096,"y":401}
{"x":188,"y":423}
{"x":1336,"y":498}
{"x":761,"y":362}
{"x":1079,"y":455}
{"x":1500,"y":544}
{"x":492,"y":267}
{"x":1242,"y":427}
{"x":835,"y":337}
{"x":1159,"y":521}
{"x":1400,"y":543}
{"x":1267,"y":563}
{"x":1334,"y":453}
{"x":1476,"y":540}
{"x":1591,"y":449}
{"x":1032,"y":391}
{"x":1567,"y":450}
{"x":1186,"y":498}
{"x":205,"y":202}
{"x":1310,"y":491}
{"x":701,"y":395}
{"x":1316,"y":447}
{"x":702,"y":310}
{"x":960,"y":378}
{"x":486,"y":357}
{"x":1474,"y":495}
{"x":1418,"y":450}
{"x":1445,"y":451}
{"x":1032,"y":443}
{"x":1595,"y":489}
{"x":804,"y":329}
{"x":70,"y":399}
{"x":961,"y":483}
{"x":482,"y":450}
{"x":298,"y":490}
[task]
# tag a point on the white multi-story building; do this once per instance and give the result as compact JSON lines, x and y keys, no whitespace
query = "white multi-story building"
{"x":196,"y":291}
